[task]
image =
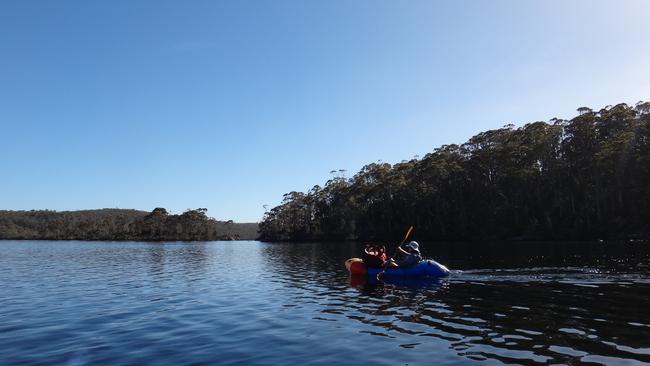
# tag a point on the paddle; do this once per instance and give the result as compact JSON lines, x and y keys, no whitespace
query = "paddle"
{"x":408,"y":232}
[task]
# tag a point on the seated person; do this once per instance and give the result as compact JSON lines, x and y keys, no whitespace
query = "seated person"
{"x":374,"y":256}
{"x":407,"y":257}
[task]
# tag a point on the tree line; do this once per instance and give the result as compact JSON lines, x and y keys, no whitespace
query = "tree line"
{"x":580,"y":179}
{"x":121,"y":224}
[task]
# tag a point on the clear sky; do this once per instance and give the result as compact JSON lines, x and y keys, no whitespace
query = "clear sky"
{"x":230,"y":104}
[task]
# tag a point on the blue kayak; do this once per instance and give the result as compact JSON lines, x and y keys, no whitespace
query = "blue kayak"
{"x":424,"y":268}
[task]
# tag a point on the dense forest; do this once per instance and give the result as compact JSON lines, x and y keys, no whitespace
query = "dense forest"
{"x":121,"y":224}
{"x":580,"y":179}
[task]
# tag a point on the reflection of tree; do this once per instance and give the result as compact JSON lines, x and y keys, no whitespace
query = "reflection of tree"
{"x":513,"y":322}
{"x":189,"y":257}
{"x":156,"y":258}
{"x":479,"y":315}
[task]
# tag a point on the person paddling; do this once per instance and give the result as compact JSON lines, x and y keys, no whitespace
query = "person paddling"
{"x":374,"y":256}
{"x":408,"y":256}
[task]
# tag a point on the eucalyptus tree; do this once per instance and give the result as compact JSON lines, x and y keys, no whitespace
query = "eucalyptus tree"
{"x":584,"y":178}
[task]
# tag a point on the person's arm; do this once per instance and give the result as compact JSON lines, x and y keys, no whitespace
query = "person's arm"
{"x":411,"y":260}
{"x":402,"y":251}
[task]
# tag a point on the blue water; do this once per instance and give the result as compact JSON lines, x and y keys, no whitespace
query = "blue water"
{"x":126,"y":303}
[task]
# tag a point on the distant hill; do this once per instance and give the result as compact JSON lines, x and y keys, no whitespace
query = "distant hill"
{"x":121,"y":224}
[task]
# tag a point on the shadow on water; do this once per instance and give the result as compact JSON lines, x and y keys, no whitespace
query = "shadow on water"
{"x":371,"y":285}
{"x":262,"y":303}
{"x":539,"y":321}
{"x":574,"y":303}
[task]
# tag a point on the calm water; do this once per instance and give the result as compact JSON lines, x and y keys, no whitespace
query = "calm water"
{"x":89,"y":303}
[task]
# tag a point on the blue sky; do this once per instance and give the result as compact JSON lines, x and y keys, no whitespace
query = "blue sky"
{"x":229,"y":105}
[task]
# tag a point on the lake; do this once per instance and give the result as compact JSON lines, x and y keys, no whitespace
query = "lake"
{"x":128,"y":303}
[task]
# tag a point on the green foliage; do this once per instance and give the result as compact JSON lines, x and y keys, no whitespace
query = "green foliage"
{"x":586,"y":178}
{"x":118,"y":224}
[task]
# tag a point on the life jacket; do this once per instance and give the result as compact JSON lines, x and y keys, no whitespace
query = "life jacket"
{"x":374,"y":256}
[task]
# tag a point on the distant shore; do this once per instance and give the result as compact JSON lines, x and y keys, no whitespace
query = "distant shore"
{"x":121,"y":225}
{"x":580,"y":179}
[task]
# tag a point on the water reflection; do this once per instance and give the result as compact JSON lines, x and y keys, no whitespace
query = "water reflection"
{"x":192,"y":256}
{"x":498,"y":318}
{"x":261,"y":303}
{"x":373,"y":285}
{"x":514,"y":315}
{"x":514,"y":322}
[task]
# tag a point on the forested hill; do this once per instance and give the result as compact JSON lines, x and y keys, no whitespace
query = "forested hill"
{"x":584,"y":178}
{"x":121,"y":224}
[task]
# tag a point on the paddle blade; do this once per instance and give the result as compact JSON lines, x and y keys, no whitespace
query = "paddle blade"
{"x":408,"y":232}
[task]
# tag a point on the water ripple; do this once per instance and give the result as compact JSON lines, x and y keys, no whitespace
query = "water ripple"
{"x":83,"y":303}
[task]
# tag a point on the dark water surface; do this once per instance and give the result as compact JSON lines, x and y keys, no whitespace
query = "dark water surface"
{"x":90,"y":303}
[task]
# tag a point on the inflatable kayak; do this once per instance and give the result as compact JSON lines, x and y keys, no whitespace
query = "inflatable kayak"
{"x":424,"y":268}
